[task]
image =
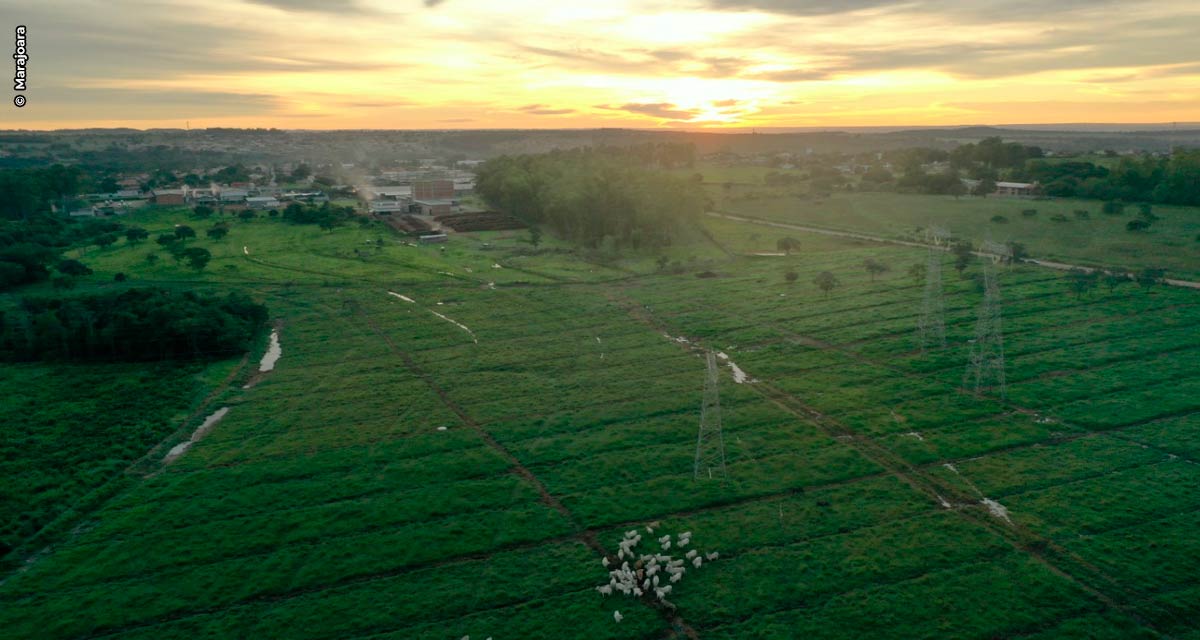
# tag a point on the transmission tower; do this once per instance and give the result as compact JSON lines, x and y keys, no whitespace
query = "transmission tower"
{"x":931,"y":326}
{"x":986,"y":365}
{"x":710,"y":445}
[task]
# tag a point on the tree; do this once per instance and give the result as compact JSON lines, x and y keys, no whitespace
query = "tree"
{"x":1081,"y":281}
{"x":1113,"y":208}
{"x":790,"y":276}
{"x":166,"y":240}
{"x":202,"y":211}
{"x":787,"y":245}
{"x":1114,"y":279}
{"x":826,"y":282}
{"x":874,"y":267}
{"x":119,"y":277}
{"x":917,"y":272}
{"x":73,"y":268}
{"x":535,"y":235}
{"x":217,"y":232}
{"x":999,"y":219}
{"x":962,"y":251}
{"x":1018,"y":250}
{"x":151,"y":258}
{"x":246,"y":214}
{"x":106,"y":240}
{"x":197,"y":257}
{"x":63,"y":282}
{"x":662,"y":262}
{"x":183,"y":232}
{"x":1149,"y":277}
{"x":135,"y":235}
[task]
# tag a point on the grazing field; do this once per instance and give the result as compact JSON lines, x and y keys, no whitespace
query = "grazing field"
{"x":453,"y":438}
{"x":1171,"y":243}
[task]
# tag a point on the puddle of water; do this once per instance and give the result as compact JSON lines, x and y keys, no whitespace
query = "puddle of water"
{"x":944,"y":502}
{"x":771,"y":254}
{"x":739,"y":376}
{"x":996,"y":509}
{"x":450,"y":320}
{"x":201,"y":431}
{"x":246,"y":250}
{"x":272,"y":355}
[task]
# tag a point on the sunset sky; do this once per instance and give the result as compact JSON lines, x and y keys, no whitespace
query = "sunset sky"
{"x":320,"y":64}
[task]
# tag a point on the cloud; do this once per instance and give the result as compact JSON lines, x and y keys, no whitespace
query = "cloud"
{"x":314,"y":6}
{"x":544,"y":110}
{"x":434,"y":3}
{"x":661,"y":110}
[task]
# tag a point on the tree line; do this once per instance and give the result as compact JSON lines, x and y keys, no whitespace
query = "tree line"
{"x":593,"y":197}
{"x":1166,"y":180}
{"x":132,"y":325}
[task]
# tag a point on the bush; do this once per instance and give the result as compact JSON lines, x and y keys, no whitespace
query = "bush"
{"x":1000,"y":219}
{"x":1058,"y":217}
{"x":1137,"y":225}
{"x":1029,"y":213}
{"x":1083,"y":214}
{"x":1113,"y":208}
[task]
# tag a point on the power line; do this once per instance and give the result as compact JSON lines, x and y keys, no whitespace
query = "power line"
{"x":710,"y":444}
{"x":931,"y":325}
{"x":986,"y":365}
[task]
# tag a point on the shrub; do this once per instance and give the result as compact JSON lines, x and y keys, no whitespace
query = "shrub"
{"x":1029,"y":213}
{"x":1000,"y":219}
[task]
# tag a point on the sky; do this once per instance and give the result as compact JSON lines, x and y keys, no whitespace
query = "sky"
{"x":691,"y":64}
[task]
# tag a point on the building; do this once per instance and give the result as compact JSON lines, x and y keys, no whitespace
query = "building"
{"x":87,"y":212}
{"x":262,"y":202}
{"x":169,"y":196}
{"x":1016,"y":189}
{"x":386,"y":206}
{"x":433,"y":190}
{"x":433,"y":207}
{"x":432,"y":238}
{"x":230,"y":195}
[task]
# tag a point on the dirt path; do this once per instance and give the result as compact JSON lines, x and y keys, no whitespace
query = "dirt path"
{"x":1049,"y":264}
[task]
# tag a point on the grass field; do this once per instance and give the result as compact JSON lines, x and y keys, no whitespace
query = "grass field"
{"x":454,"y":461}
{"x":1100,"y":240}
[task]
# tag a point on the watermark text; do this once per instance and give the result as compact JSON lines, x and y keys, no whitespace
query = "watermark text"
{"x":21,"y":58}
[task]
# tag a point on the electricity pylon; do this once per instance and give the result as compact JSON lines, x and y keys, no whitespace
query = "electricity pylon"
{"x":986,"y":365}
{"x":931,"y":326}
{"x":710,"y":445}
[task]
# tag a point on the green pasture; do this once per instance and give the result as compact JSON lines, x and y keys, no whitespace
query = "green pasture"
{"x":450,"y":464}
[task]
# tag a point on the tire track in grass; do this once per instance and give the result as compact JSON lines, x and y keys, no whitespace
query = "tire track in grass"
{"x":583,"y":534}
{"x":1020,"y":537}
{"x":94,"y":500}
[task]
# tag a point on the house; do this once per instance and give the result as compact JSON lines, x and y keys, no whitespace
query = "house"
{"x":262,"y":202}
{"x":1016,"y":189}
{"x":169,"y":196}
{"x":201,"y":195}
